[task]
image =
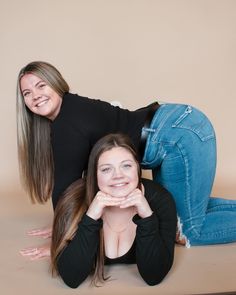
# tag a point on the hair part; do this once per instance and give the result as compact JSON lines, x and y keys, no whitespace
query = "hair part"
{"x":33,"y":135}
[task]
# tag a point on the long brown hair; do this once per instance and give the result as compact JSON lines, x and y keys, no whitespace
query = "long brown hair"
{"x":76,"y":200}
{"x":33,"y":135}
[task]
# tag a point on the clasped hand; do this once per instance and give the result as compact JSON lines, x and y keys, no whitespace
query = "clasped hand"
{"x":136,"y":198}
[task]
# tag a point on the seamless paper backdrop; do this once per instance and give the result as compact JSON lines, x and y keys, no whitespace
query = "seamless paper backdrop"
{"x":133,"y":51}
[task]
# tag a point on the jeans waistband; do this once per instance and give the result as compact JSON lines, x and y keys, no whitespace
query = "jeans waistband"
{"x":147,"y":123}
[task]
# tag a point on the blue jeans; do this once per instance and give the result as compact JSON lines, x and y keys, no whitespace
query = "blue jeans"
{"x":181,"y":151}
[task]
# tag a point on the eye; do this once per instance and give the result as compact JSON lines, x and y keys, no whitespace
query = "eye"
{"x":106,"y":170}
{"x":42,"y":85}
{"x":26,"y":93}
{"x":127,"y":165}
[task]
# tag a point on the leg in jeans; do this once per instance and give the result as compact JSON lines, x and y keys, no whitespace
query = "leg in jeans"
{"x":181,"y":151}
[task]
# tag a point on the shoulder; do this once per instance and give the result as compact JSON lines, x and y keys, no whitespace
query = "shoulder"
{"x":73,"y":111}
{"x":152,"y":187}
{"x":156,"y":193}
{"x":84,"y":105}
{"x":71,"y":98}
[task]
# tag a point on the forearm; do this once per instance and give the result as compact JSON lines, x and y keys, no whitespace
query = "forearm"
{"x":77,"y":260}
{"x":154,"y":252}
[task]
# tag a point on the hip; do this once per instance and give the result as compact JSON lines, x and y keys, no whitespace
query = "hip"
{"x":174,"y":122}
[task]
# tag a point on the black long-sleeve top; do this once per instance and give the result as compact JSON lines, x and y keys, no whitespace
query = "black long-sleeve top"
{"x":152,"y":250}
{"x":78,"y":126}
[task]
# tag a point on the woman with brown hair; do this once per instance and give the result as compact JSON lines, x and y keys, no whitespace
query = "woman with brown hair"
{"x":113,"y":216}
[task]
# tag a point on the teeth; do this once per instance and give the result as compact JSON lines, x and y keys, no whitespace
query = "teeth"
{"x":41,"y":103}
{"x":119,"y":184}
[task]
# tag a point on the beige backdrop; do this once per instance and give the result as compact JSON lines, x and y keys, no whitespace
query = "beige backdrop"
{"x":133,"y":51}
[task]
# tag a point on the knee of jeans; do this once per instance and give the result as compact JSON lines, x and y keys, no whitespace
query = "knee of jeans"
{"x":181,"y":238}
{"x":184,"y":235}
{"x":188,"y":234}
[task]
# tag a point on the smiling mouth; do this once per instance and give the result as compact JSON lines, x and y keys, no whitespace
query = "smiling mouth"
{"x":41,"y":103}
{"x":119,"y":184}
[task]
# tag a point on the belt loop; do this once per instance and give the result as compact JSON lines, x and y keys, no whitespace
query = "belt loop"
{"x":146,"y":128}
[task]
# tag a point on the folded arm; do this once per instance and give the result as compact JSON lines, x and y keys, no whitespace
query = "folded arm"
{"x":77,"y":260}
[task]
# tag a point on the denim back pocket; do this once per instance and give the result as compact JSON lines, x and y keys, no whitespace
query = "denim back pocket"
{"x":195,"y":121}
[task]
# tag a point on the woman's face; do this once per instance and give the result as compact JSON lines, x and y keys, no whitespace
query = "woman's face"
{"x":117,"y":173}
{"x":40,"y":98}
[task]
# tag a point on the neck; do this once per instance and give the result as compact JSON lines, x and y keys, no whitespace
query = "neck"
{"x":117,"y":219}
{"x":118,"y":213}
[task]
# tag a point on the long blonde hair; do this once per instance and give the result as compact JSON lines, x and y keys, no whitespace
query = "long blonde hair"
{"x":76,"y":200}
{"x":33,"y":135}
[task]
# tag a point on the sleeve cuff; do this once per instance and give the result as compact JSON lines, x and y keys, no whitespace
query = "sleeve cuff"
{"x":90,"y":223}
{"x":148,"y":224}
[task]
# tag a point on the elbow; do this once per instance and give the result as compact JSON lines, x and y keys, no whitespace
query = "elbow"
{"x":72,"y":280}
{"x":72,"y":283}
{"x":72,"y":277}
{"x":154,"y":279}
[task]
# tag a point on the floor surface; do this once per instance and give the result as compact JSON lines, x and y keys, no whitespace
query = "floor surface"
{"x":198,"y":270}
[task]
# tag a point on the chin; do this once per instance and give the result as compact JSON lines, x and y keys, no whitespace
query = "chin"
{"x":121,"y":194}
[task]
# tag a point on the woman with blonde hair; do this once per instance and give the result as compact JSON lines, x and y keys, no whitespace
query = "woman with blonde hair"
{"x":113,"y":216}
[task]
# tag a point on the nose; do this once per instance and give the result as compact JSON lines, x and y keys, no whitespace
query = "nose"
{"x":36,"y":94}
{"x":117,"y":173}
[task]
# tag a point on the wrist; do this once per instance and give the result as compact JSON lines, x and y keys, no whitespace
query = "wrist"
{"x":146,"y":214}
{"x":91,"y":214}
